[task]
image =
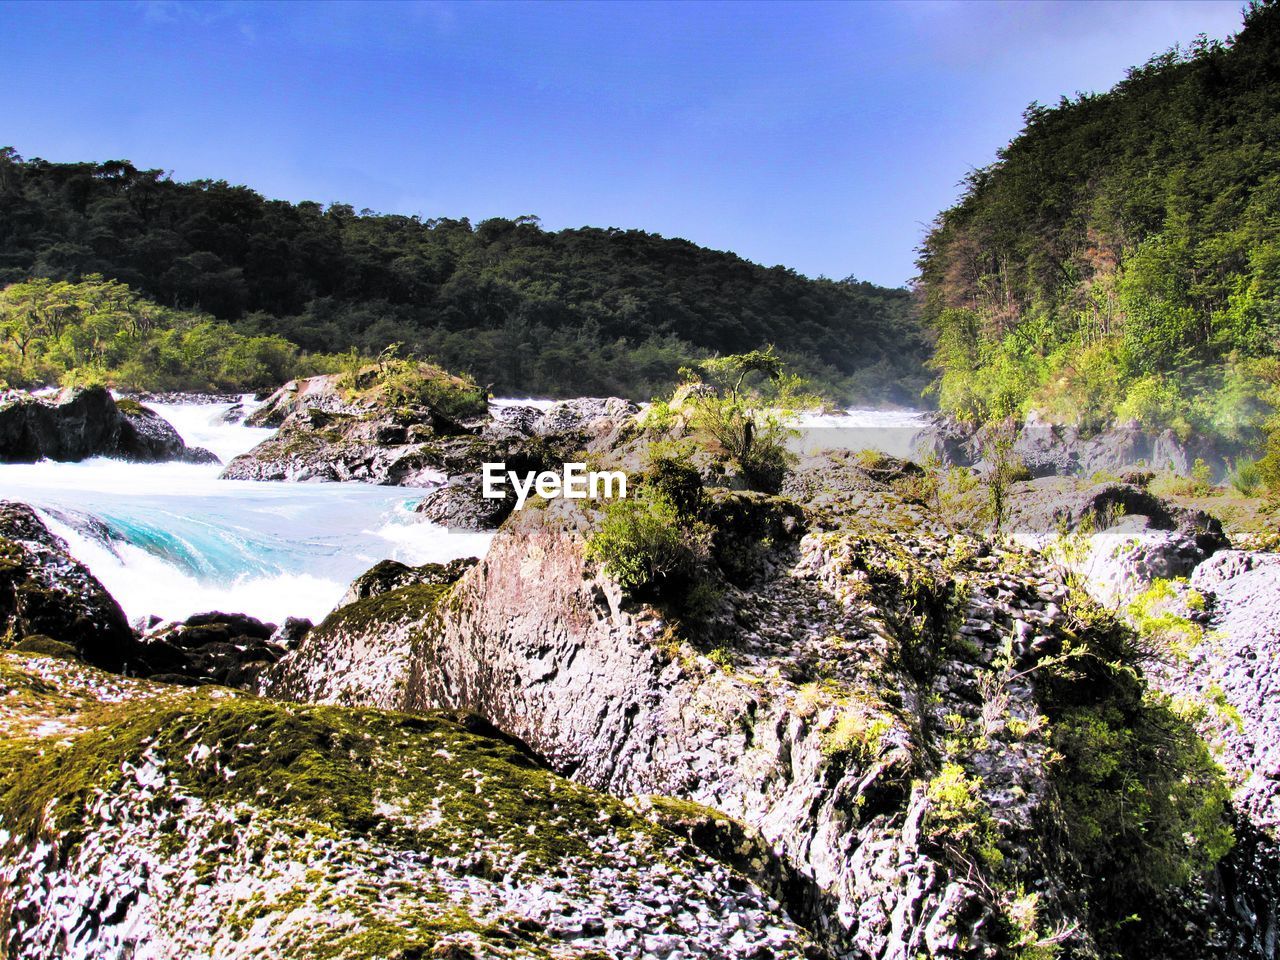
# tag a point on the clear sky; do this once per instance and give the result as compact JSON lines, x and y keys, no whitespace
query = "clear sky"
{"x":822,"y":136}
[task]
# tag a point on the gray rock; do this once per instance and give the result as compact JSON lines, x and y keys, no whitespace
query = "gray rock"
{"x":461,"y":505}
{"x":89,"y":423}
{"x":45,"y":591}
{"x":1049,"y":449}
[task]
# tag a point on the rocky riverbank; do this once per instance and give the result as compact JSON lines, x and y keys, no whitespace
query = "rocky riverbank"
{"x":862,"y":725}
{"x":1052,"y":449}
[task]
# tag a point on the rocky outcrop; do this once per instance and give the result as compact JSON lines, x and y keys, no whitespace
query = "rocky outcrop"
{"x":231,"y":649}
{"x":460,"y":504}
{"x":89,"y":423}
{"x":1049,"y":449}
{"x":327,"y":433}
{"x":1235,"y":673}
{"x":142,"y":820}
{"x":1118,"y":537}
{"x":895,"y":715}
{"x":44,"y":591}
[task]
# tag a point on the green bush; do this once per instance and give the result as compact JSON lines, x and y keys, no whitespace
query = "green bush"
{"x":742,"y":411}
{"x":646,"y":544}
{"x":1269,"y":465}
{"x":1246,"y":477}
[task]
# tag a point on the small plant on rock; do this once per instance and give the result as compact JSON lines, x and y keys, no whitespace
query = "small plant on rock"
{"x":743,"y":409}
{"x":645,"y":543}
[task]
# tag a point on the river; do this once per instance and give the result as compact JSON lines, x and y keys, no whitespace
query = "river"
{"x":173,"y":539}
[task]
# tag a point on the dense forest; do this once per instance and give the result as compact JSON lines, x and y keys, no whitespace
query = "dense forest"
{"x":584,"y":311}
{"x":100,"y":331}
{"x":1121,"y":258}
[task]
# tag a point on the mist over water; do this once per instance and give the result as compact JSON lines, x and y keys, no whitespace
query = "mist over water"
{"x":172,"y":539}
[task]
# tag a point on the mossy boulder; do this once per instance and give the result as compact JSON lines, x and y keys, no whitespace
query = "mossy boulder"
{"x":143,"y":820}
{"x":388,"y":575}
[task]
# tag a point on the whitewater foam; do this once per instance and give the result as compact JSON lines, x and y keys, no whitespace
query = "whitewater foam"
{"x":173,"y":539}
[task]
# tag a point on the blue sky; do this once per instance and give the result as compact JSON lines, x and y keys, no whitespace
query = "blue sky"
{"x":822,"y":136}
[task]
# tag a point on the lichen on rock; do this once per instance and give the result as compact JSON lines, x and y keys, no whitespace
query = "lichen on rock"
{"x":144,"y":820}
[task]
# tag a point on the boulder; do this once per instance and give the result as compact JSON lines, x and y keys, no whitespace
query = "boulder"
{"x":391,"y":575}
{"x":460,"y":504}
{"x":89,"y":423}
{"x":44,"y":591}
{"x":190,"y":824}
{"x":231,"y":649}
{"x":1128,"y":537}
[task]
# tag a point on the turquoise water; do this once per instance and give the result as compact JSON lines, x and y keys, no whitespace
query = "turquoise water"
{"x":173,"y":539}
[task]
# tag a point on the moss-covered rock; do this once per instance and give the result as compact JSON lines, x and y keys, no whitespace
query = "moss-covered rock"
{"x":44,"y":591}
{"x":144,"y":820}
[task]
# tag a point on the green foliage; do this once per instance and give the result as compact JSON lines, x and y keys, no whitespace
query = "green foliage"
{"x":1003,"y":470}
{"x":744,"y":409}
{"x":1159,"y":616}
{"x":678,"y":481}
{"x":99,"y":332}
{"x":522,"y":309}
{"x":405,"y":383}
{"x":959,"y":818}
{"x":1146,"y":802}
{"x":1121,"y":259}
{"x":857,"y":731}
{"x":1246,"y":477}
{"x":1269,"y":465}
{"x":646,"y":544}
{"x":1198,"y":484}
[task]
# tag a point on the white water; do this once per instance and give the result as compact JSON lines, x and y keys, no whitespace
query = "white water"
{"x":890,"y":431}
{"x":172,"y":539}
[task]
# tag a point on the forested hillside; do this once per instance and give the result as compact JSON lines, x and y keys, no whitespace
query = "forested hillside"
{"x":525,"y":309}
{"x":1121,"y":258}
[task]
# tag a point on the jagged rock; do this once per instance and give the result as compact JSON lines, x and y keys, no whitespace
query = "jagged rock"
{"x":89,"y":423}
{"x":45,"y":591}
{"x":391,"y":575}
{"x":838,"y":670}
{"x":232,"y":649}
{"x":312,"y":393}
{"x":365,"y":641}
{"x":461,"y":505}
{"x":1237,"y":670}
{"x":147,"y":820}
{"x":1049,"y":449}
{"x":1127,"y":536}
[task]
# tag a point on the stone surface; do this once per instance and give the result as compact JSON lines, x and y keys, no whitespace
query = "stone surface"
{"x":45,"y":591}
{"x":1049,"y":449}
{"x":811,"y":708}
{"x":89,"y":423}
{"x":326,"y":434}
{"x":140,"y":820}
{"x":225,"y":648}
